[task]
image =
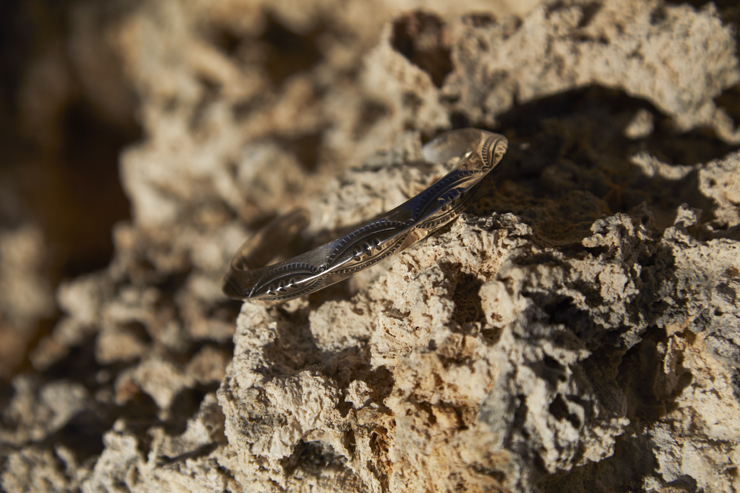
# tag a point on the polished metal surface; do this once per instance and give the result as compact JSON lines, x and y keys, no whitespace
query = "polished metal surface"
{"x":479,"y":152}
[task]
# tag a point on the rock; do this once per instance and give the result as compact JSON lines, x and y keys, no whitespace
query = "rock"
{"x":24,"y":293}
{"x":577,"y":329}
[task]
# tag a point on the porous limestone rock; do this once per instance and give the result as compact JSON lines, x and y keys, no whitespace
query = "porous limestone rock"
{"x":577,"y":329}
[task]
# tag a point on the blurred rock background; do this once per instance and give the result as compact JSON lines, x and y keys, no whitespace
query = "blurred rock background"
{"x":66,"y":113}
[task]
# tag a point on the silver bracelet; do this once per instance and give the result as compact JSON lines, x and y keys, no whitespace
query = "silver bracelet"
{"x":479,"y":152}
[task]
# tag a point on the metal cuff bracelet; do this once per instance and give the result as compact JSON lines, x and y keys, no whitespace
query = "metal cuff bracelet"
{"x":479,"y":152}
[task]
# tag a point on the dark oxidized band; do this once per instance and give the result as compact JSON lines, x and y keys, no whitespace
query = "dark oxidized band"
{"x":479,"y":152}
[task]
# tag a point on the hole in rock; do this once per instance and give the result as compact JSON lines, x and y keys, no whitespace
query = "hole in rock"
{"x":288,"y":52}
{"x":467,"y":300}
{"x":729,"y":100}
{"x":420,"y":37}
{"x":311,"y":458}
{"x":306,"y":148}
{"x":370,"y":113}
{"x":84,"y":434}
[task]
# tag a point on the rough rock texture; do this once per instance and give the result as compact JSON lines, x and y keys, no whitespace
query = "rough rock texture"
{"x":578,"y":329}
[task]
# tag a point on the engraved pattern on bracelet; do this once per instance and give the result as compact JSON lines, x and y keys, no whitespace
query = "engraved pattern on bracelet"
{"x":355,"y":250}
{"x":478,"y":152}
